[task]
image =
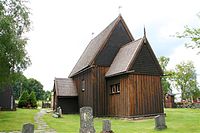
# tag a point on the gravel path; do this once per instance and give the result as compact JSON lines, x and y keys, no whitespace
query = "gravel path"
{"x":42,"y":126}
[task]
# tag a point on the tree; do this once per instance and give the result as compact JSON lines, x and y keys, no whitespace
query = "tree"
{"x":47,"y":96}
{"x":19,"y":85}
{"x":193,"y":34}
{"x":23,"y":100}
{"x":37,"y":87}
{"x":32,"y":100}
{"x":163,"y":61}
{"x":185,"y":79}
{"x":14,"y":23}
{"x":27,"y":100}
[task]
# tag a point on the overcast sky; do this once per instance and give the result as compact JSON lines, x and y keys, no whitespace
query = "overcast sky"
{"x":61,"y":30}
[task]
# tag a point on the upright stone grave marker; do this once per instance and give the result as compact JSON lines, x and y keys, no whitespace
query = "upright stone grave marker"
{"x":28,"y":128}
{"x":106,"y":126}
{"x":160,"y":122}
{"x":59,"y":111}
{"x":86,"y":120}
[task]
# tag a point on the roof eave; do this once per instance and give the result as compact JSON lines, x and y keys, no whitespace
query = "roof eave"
{"x":120,"y":73}
{"x":135,"y":55}
{"x":82,"y":70}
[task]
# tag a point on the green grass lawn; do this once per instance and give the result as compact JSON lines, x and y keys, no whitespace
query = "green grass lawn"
{"x":177,"y":120}
{"x":13,"y":120}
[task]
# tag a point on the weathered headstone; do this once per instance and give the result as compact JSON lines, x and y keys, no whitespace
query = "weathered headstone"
{"x":106,"y":126}
{"x":86,"y":120}
{"x":60,"y":111}
{"x":160,"y":122}
{"x":57,"y":109}
{"x":28,"y":128}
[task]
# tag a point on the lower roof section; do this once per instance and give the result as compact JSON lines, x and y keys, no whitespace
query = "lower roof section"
{"x":65,"y":87}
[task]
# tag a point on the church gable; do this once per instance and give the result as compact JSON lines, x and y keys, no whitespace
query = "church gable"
{"x":119,"y":37}
{"x":105,"y":45}
{"x":146,"y":62}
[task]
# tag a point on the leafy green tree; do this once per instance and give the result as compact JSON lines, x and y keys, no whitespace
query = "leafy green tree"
{"x":32,"y":100}
{"x":185,"y":79}
{"x":37,"y":87}
{"x":193,"y":34}
{"x":14,"y":23}
{"x":19,"y":85}
{"x":23,"y":100}
{"x":163,"y":61}
{"x":47,"y":96}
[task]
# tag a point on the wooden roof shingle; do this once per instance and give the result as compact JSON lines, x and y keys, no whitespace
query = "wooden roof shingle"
{"x":127,"y":56}
{"x":65,"y":87}
{"x":95,"y":46}
{"x":124,"y":58}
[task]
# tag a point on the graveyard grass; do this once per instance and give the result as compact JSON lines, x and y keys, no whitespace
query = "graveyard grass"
{"x":14,"y":120}
{"x":177,"y":120}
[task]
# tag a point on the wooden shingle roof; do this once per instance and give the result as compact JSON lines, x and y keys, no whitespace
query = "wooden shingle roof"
{"x":65,"y":87}
{"x":124,"y":58}
{"x":95,"y":46}
{"x":128,"y":55}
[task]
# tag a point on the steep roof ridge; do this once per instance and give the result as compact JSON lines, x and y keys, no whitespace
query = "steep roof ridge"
{"x":126,"y":28}
{"x":136,"y":52}
{"x":152,"y":54}
{"x":129,"y":43}
{"x":100,"y":35}
{"x":145,"y":42}
{"x":121,"y":65}
{"x":96,"y":45}
{"x":112,"y":25}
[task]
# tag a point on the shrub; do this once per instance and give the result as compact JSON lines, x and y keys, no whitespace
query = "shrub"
{"x":27,"y":100}
{"x":23,"y":100}
{"x":32,"y":100}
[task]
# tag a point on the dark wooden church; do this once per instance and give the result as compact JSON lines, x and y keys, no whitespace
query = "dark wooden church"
{"x":118,"y":75}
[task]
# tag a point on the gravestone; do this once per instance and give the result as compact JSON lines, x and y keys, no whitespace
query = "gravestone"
{"x":86,"y":120}
{"x":160,"y":122}
{"x":59,"y":111}
{"x":28,"y":128}
{"x":106,"y":126}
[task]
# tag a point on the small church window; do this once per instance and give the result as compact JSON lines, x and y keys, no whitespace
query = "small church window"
{"x":112,"y":89}
{"x":118,"y":88}
{"x":115,"y":89}
{"x":83,"y":85}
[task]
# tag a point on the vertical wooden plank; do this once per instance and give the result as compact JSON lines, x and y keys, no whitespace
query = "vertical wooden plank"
{"x":134,"y":95}
{"x":130,"y":83}
{"x":127,"y":96}
{"x":138,"y":94}
{"x":148,"y":94}
{"x":144,"y":96}
{"x":122,"y":97}
{"x":142,"y":93}
{"x":124,"y":100}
